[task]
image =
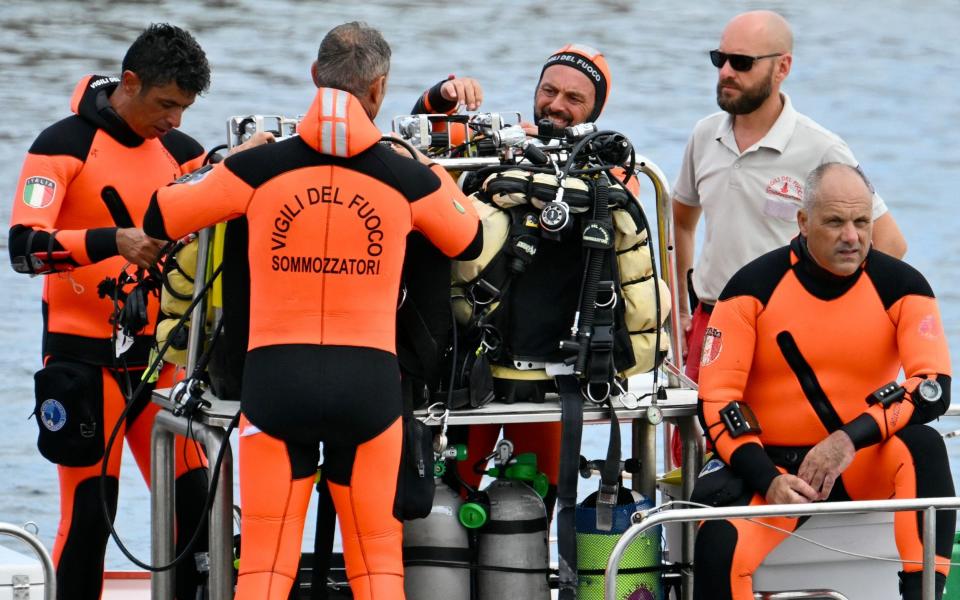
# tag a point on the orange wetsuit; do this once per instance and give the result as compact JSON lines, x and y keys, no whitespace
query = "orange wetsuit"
{"x":83,"y":177}
{"x":328,"y":213}
{"x":804,"y":349}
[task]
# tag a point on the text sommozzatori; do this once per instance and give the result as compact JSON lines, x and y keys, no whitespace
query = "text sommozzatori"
{"x":331,"y":195}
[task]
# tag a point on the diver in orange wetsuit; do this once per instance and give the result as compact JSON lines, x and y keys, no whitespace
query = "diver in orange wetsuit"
{"x":803,"y":337}
{"x":83,"y":190}
{"x":328,"y":212}
{"x":573,"y":88}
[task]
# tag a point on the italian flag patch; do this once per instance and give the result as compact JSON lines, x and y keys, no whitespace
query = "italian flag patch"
{"x":38,"y":192}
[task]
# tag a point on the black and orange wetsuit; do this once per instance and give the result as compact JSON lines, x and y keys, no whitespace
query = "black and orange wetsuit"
{"x":804,"y":349}
{"x":83,"y":177}
{"x":328,"y":214}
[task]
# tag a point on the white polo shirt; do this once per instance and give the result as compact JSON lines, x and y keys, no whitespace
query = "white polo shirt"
{"x":750,"y":199}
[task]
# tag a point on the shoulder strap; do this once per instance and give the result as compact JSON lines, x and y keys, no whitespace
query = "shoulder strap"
{"x":118,"y":210}
{"x":808,"y":382}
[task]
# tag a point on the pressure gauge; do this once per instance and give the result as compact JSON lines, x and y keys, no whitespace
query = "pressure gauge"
{"x":929,"y":390}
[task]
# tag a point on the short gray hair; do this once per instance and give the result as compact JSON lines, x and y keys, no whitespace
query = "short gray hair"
{"x":351,"y":57}
{"x":811,"y":187}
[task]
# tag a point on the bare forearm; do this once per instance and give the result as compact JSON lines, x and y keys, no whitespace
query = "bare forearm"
{"x":888,"y":238}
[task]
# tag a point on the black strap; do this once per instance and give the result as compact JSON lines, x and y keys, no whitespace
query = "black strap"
{"x":417,"y":555}
{"x":414,"y":328}
{"x":691,"y":293}
{"x":29,"y":250}
{"x":118,"y":210}
{"x":453,"y":399}
{"x":323,"y":543}
{"x":571,"y":407}
{"x":519,"y":526}
{"x":808,"y":382}
{"x":625,"y":571}
{"x":609,"y":476}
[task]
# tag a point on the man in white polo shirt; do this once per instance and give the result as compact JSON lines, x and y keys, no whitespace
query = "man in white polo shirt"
{"x":744,"y":169}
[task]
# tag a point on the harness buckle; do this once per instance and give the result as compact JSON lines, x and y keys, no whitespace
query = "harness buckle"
{"x":606,"y":500}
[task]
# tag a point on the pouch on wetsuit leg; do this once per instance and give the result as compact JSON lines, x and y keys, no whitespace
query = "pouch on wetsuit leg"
{"x":69,"y":413}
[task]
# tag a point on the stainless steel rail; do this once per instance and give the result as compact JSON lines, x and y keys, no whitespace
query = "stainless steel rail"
{"x":162,"y":501}
{"x":49,"y":573}
{"x":668,"y":258}
{"x":929,"y":506}
{"x":800,"y":595}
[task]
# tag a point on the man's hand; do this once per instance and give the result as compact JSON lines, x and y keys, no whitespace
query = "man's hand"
{"x":790,"y":489}
{"x":826,"y":461}
{"x":465,"y":90}
{"x":137,"y":247}
{"x":257,"y":139}
{"x":686,"y":324}
{"x":422,"y":158}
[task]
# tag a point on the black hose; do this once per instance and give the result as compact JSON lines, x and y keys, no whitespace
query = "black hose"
{"x":145,"y":378}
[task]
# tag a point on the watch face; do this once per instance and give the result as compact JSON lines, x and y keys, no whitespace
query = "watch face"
{"x":929,"y":390}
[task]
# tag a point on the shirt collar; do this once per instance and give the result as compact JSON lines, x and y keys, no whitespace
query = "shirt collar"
{"x":775,"y":139}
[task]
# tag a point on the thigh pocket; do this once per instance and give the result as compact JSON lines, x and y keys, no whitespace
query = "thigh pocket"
{"x":415,"y":481}
{"x":718,"y":485}
{"x":69,"y":412}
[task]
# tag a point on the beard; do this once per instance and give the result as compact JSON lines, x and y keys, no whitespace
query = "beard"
{"x":565,"y":119}
{"x":750,"y":99}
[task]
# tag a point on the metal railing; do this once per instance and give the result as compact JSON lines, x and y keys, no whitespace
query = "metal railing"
{"x":49,"y":573}
{"x":646,"y":519}
{"x":800,"y":595}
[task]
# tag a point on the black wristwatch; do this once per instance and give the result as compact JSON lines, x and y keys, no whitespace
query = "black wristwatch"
{"x":929,"y":390}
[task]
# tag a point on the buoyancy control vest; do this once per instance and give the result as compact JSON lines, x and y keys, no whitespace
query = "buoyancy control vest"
{"x":517,"y":301}
{"x":176,"y":293}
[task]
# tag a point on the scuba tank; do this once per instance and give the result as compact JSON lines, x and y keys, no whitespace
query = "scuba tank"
{"x":640,"y":573}
{"x":511,"y":519}
{"x":436,"y":549}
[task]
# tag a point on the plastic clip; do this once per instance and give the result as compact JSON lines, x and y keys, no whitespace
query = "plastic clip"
{"x":739,"y":419}
{"x":886,"y":395}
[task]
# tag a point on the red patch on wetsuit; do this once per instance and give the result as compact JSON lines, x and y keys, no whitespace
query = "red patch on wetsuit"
{"x":712,"y":345}
{"x":929,"y":327}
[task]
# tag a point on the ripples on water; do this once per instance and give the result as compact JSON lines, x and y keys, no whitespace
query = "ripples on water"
{"x":883,"y":75}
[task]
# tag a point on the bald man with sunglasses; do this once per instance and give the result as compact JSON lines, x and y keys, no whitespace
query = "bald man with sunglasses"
{"x":744,"y":169}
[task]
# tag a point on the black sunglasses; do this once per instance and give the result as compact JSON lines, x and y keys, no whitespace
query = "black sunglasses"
{"x":739,"y":62}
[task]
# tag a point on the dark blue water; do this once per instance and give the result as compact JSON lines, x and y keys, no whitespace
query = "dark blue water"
{"x":882,"y":75}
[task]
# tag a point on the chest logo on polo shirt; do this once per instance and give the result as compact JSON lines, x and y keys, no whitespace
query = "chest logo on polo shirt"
{"x":786,"y":187}
{"x":712,"y":345}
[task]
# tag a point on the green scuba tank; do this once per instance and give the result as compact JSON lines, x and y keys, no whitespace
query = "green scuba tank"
{"x":512,"y":547}
{"x":951,"y":590}
{"x":639,"y":577}
{"x":436,"y":549}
